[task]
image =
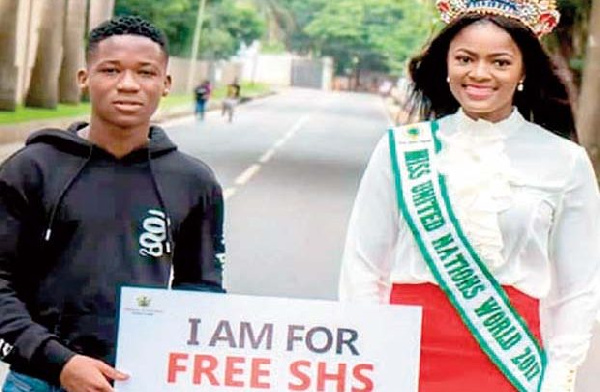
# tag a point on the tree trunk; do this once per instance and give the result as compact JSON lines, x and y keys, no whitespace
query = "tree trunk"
{"x":588,"y":120}
{"x":73,"y":45}
{"x":565,"y":73}
{"x":8,"y":42}
{"x":100,"y":11}
{"x":43,"y":88}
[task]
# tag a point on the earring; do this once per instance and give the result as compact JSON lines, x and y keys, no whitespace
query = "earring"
{"x":448,"y":79}
{"x":520,"y":86}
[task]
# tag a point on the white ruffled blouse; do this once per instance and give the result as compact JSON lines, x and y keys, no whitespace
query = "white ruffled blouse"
{"x":528,"y":201}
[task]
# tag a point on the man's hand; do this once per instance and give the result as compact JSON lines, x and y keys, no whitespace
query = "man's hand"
{"x":85,"y":374}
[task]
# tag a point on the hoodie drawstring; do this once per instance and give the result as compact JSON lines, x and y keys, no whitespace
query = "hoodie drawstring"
{"x":163,"y":206}
{"x":169,"y":234}
{"x":62,"y":194}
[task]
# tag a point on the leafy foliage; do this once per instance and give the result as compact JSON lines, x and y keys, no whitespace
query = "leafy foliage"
{"x":230,"y":23}
{"x":176,"y":18}
{"x":569,"y":38}
{"x":377,"y":34}
{"x":227,"y":23}
{"x":568,"y":43}
{"x":374,"y":34}
{"x":278,"y":17}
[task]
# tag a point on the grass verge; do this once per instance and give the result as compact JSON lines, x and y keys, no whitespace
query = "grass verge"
{"x":23,"y":114}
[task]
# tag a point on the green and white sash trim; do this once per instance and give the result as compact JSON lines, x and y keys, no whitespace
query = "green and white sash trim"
{"x":479,"y":299}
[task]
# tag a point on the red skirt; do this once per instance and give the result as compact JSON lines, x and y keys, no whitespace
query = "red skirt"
{"x":451,"y":359}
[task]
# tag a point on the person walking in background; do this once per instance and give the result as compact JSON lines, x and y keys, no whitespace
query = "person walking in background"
{"x":100,"y":205}
{"x":486,"y":215}
{"x":232,"y":99}
{"x":202,"y":95}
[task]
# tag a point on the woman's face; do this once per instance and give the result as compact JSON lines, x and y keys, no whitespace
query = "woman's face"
{"x":484,"y":67}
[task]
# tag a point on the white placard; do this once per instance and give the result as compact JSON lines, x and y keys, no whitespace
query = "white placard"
{"x":192,"y":341}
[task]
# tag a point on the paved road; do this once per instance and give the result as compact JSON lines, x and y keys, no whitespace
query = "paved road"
{"x":290,"y":166}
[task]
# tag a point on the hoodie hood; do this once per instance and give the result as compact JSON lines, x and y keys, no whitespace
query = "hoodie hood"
{"x":77,"y":223}
{"x":69,"y":142}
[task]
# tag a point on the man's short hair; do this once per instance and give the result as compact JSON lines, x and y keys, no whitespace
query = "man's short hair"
{"x":126,"y":25}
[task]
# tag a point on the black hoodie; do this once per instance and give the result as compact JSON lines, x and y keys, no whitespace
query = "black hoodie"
{"x":76,"y":223}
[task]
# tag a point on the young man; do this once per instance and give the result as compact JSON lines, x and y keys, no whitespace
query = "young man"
{"x":201,"y":95}
{"x":97,"y":206}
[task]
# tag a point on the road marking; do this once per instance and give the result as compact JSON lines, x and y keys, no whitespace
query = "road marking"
{"x":287,"y":137}
{"x":278,"y":144}
{"x":299,"y":124}
{"x":247,"y":174}
{"x":266,"y":157}
{"x":252,"y":170}
{"x":229,"y":192}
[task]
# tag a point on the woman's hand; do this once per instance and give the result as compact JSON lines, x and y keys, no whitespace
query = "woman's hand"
{"x":559,"y":377}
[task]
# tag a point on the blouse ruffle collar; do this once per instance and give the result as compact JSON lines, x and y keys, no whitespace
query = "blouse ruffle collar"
{"x":478,"y":174}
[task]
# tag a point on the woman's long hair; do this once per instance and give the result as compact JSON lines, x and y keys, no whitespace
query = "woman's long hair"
{"x":544,"y":99}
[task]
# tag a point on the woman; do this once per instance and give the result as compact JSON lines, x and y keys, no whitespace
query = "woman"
{"x":232,"y":98}
{"x":487,"y":216}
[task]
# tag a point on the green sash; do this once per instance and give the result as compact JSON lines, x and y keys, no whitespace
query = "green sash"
{"x":479,"y":299}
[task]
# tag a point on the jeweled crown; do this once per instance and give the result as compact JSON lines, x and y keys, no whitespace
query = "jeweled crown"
{"x":541,"y":16}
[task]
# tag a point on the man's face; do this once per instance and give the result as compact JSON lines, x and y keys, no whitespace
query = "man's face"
{"x":126,"y":76}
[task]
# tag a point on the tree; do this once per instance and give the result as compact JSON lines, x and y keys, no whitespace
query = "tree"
{"x":177,"y":18}
{"x":230,"y":24}
{"x":567,"y":44}
{"x":8,"y":43}
{"x":302,"y":12}
{"x":43,"y":88}
{"x":100,"y":11}
{"x":73,"y":45}
{"x":381,"y":34}
{"x":588,"y":119}
{"x":278,"y":18}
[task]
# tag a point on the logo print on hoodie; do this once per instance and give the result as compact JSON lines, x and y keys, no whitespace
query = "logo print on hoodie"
{"x":5,"y":349}
{"x":153,"y":239}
